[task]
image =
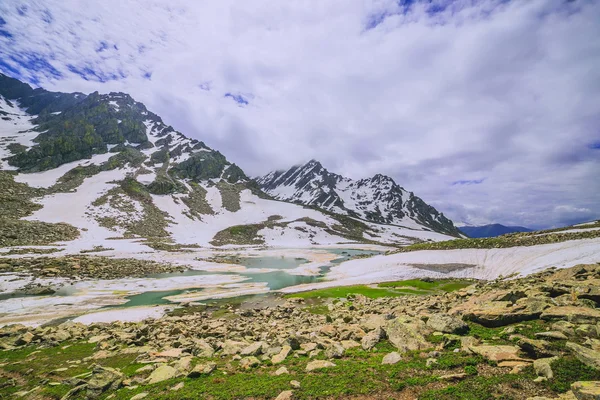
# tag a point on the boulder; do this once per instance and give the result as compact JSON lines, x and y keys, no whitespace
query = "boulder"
{"x":203,"y":349}
{"x":497,"y":353}
{"x":555,"y":335}
{"x":586,"y":390}
{"x":279,"y":358}
{"x":407,"y":334}
{"x":103,"y":379}
{"x":543,"y":367}
{"x":391,"y":358}
{"x":231,"y":347}
{"x":285,"y":395}
{"x":183,"y":365}
{"x":587,"y":356}
{"x":249,"y":362}
{"x":447,"y":324}
{"x":535,"y":348}
{"x":372,"y":338}
{"x":202,"y":369}
{"x":336,"y":350}
{"x":281,"y":371}
{"x":573,"y":314}
{"x":318,"y":364}
{"x":255,"y":349}
{"x":162,"y":373}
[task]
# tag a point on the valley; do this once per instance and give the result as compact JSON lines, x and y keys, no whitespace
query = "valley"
{"x":135,"y":260}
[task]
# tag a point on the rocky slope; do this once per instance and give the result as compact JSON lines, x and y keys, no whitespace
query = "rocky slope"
{"x":535,"y":337}
{"x":378,"y":199}
{"x":101,"y":166}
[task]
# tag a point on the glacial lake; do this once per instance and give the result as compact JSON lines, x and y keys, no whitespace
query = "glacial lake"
{"x":275,"y":280}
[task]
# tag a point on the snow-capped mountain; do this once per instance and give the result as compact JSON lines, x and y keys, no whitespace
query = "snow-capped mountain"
{"x":378,"y":199}
{"x":102,"y":170}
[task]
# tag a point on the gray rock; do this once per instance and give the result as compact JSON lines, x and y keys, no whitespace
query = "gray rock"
{"x":392,"y":358}
{"x":542,"y":367}
{"x":285,"y":395}
{"x":587,"y":356}
{"x":586,"y":390}
{"x":255,"y":349}
{"x":278,"y":358}
{"x":202,"y":369}
{"x":162,"y":373}
{"x":318,"y":364}
{"x":406,"y":334}
{"x":103,"y":379}
{"x":336,"y":350}
{"x":249,"y":362}
{"x":447,"y":324}
{"x":372,"y":338}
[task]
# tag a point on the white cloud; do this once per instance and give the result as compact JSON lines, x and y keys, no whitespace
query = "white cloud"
{"x":508,"y":92}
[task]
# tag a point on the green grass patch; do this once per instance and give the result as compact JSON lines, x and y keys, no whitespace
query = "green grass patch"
{"x":568,"y":370}
{"x":345,"y":291}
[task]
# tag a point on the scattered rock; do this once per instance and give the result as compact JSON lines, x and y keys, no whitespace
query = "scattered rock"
{"x":202,"y":369}
{"x":587,"y":356}
{"x":497,"y":353}
{"x":255,"y":349}
{"x":392,"y":358}
{"x":453,"y":377}
{"x":447,"y":324}
{"x":318,"y":364}
{"x":279,"y":358}
{"x":573,"y":314}
{"x":103,"y":379}
{"x":285,"y":395}
{"x":543,"y":367}
{"x":162,"y":373}
{"x":249,"y":362}
{"x":586,"y":390}
{"x":372,"y":338}
{"x":407,"y":334}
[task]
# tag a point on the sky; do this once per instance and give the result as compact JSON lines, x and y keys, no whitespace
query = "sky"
{"x":487,"y":109}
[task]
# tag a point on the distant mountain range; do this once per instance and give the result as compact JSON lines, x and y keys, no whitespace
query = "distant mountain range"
{"x":100,"y":167}
{"x":491,"y":230}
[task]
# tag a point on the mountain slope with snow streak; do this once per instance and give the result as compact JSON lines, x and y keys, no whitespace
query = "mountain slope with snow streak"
{"x":377,"y":199}
{"x":106,"y":165}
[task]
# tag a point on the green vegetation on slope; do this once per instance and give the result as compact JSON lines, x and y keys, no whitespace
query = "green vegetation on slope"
{"x":505,"y":241}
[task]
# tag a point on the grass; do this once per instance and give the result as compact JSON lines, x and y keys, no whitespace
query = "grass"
{"x":504,"y":241}
{"x":568,"y":370}
{"x":427,"y":286}
{"x":345,"y":291}
{"x":360,"y":372}
{"x":504,"y":387}
{"x":386,"y":289}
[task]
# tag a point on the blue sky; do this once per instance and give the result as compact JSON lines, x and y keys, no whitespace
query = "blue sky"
{"x":487,"y":109}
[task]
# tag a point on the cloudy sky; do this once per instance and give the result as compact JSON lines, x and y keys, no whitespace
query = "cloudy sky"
{"x":487,"y":109}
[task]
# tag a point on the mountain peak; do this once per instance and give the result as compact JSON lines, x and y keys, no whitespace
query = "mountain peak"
{"x":378,"y":199}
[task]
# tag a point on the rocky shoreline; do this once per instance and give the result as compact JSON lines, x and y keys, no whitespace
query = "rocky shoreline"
{"x":86,"y":267}
{"x":527,"y":332}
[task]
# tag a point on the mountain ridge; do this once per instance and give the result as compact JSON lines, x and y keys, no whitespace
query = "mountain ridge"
{"x":376,"y":199}
{"x":106,"y":165}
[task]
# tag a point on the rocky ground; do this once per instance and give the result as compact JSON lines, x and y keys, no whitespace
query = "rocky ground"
{"x":86,"y":267}
{"x":536,"y":337}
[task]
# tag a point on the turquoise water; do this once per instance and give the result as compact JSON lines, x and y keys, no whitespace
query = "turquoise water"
{"x":275,"y":280}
